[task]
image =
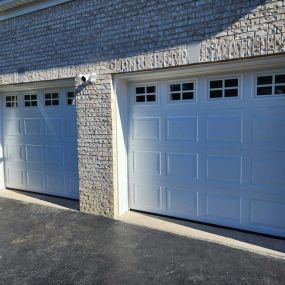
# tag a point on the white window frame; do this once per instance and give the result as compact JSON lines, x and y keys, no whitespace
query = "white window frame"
{"x":223,"y":78}
{"x":51,"y":92}
{"x":17,"y":101}
{"x":146,"y":84}
{"x":66,"y":98}
{"x":30,"y":100}
{"x":183,"y":101}
{"x":272,"y":95}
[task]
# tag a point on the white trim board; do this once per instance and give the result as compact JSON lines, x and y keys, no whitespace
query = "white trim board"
{"x":37,"y":85}
{"x":14,"y":8}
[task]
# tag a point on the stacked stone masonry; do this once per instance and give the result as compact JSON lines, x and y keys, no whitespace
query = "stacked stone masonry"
{"x":123,"y":36}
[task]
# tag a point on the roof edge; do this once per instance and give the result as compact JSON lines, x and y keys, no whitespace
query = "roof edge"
{"x":14,"y":8}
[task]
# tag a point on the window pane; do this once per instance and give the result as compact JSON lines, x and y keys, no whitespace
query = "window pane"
{"x":34,"y":103}
{"x":280,"y":89}
{"x":150,"y":98}
{"x":175,"y":96}
{"x":48,"y":102}
{"x":262,"y":80}
{"x":70,"y":98}
{"x":264,"y":90}
{"x":187,"y":95}
{"x":140,"y":98}
{"x":55,"y":102}
{"x":280,"y":78}
{"x":34,"y":97}
{"x":174,"y":87}
{"x":11,"y":101}
{"x":216,"y":84}
{"x":187,"y":86}
{"x":150,"y":89}
{"x":216,"y":93}
{"x":47,"y":96}
{"x":140,"y":90}
{"x":231,"y":82}
{"x":27,"y":104}
{"x":231,"y":92}
{"x":54,"y":95}
{"x":70,"y":94}
{"x":27,"y":97}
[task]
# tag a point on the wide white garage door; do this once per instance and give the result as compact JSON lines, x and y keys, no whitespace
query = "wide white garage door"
{"x":210,"y":149}
{"x":40,"y":142}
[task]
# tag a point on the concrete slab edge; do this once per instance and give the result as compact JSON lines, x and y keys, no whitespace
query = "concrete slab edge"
{"x":144,"y":220}
{"x":9,"y":194}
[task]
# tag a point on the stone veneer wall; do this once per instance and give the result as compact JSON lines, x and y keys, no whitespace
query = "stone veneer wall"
{"x":119,"y":36}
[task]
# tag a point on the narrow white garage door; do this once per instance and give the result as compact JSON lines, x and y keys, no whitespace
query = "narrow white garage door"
{"x":40,"y":146}
{"x":210,"y":149}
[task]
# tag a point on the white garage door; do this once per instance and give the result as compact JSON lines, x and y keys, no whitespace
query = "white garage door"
{"x":40,"y":147}
{"x":210,"y":149}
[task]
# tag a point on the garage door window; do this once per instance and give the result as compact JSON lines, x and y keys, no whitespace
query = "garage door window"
{"x":51,"y":99}
{"x":181,"y":91}
{"x":223,"y":88}
{"x":70,"y":98}
{"x":31,"y":100}
{"x":270,"y":85}
{"x":11,"y":101}
{"x":146,"y":94}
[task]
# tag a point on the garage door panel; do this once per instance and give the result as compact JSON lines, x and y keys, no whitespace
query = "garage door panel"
{"x":266,"y":213}
{"x":33,"y":153}
{"x":54,"y":128}
{"x":32,"y":127}
{"x":226,"y":169}
{"x":268,"y":172}
{"x":14,"y":152}
{"x":222,"y":207}
{"x":71,"y":184}
{"x":182,"y":165}
{"x":54,"y":155}
{"x":146,"y":196}
{"x":225,"y":129}
{"x":182,"y":128}
{"x":70,"y":161}
{"x":181,"y":202}
{"x":12,"y":127}
{"x":266,"y":129}
{"x":70,"y":129}
{"x":55,"y":182}
{"x":147,"y":128}
{"x":15,"y":176}
{"x":147,"y":162}
{"x":35,"y":180}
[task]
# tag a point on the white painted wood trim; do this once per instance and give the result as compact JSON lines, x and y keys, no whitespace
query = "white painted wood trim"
{"x":64,"y":83}
{"x":121,"y":158}
{"x":13,"y":8}
{"x":2,"y":179}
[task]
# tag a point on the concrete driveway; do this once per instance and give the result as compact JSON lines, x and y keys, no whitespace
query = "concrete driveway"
{"x":44,"y":245}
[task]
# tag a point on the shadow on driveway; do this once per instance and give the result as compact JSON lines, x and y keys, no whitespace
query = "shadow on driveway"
{"x":265,"y":241}
{"x":44,"y":245}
